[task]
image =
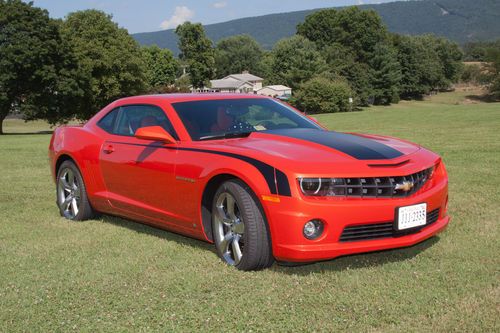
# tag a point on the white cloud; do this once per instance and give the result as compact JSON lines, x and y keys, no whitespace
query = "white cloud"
{"x":181,"y":15}
{"x":361,"y":2}
{"x":220,"y":4}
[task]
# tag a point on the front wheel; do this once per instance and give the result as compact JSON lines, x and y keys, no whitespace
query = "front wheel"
{"x":239,"y":228}
{"x":72,"y":197}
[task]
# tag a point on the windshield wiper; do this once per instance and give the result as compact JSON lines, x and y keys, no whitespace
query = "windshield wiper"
{"x":226,"y":136}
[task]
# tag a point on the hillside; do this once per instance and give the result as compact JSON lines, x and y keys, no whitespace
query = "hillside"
{"x":459,"y":20}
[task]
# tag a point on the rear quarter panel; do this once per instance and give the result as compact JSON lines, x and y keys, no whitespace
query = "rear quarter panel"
{"x":82,"y":145}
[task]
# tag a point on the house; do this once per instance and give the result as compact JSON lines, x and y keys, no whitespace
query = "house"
{"x":247,"y":77}
{"x":275,"y":91}
{"x":231,"y":85}
{"x":245,"y":83}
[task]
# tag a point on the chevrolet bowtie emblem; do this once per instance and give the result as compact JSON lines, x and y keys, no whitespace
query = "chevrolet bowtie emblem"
{"x":404,"y":186}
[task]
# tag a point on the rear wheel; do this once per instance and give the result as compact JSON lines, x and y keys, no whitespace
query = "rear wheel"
{"x":239,"y":228}
{"x":72,"y":197}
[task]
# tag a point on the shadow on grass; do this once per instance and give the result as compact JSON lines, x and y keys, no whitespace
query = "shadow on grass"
{"x":338,"y":264}
{"x":482,"y":98}
{"x":157,"y":232}
{"x":363,"y":260}
{"x":30,"y":133}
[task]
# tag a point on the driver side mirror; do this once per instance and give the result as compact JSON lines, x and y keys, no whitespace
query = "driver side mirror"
{"x":154,"y":133}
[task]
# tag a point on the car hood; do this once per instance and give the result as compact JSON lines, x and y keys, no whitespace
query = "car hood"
{"x":315,"y":151}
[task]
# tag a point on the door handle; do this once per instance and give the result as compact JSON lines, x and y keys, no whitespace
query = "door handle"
{"x":108,"y":149}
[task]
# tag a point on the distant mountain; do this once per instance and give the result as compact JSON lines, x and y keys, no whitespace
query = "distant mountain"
{"x":458,"y":20}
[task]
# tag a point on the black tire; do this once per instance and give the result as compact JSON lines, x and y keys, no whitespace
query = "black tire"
{"x":76,"y":190}
{"x":256,"y":246}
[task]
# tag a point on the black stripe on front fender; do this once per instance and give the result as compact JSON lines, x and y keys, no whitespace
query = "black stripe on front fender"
{"x":266,"y":170}
{"x":282,"y":184}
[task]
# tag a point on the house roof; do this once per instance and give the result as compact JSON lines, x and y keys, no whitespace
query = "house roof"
{"x":244,"y":77}
{"x":278,"y":87}
{"x":228,"y":83}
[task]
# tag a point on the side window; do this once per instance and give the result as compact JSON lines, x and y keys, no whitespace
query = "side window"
{"x":133,"y":117}
{"x":108,"y":121}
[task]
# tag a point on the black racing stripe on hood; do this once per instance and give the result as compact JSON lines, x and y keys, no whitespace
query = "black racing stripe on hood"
{"x":358,"y":147}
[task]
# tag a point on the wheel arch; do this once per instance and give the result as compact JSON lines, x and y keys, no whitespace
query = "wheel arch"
{"x":207,"y":199}
{"x":63,"y":158}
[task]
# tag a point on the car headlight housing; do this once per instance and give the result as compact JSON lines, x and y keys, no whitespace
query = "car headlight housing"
{"x":321,"y":186}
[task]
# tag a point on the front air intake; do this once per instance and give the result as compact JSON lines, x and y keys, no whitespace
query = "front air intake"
{"x":382,"y":230}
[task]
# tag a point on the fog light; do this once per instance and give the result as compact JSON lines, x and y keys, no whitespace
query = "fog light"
{"x":313,"y":229}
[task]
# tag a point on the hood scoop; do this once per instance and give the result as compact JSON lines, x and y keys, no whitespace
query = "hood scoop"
{"x":388,"y":165}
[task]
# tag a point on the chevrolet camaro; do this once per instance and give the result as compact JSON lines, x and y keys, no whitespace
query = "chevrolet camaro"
{"x":251,"y":174}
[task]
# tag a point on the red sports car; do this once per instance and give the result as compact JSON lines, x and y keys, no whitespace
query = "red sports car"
{"x":251,"y":174}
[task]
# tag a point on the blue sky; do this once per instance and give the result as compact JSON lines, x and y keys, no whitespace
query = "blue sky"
{"x":153,"y":15}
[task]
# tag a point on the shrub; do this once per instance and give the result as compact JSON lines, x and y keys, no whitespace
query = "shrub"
{"x":322,"y":95}
{"x":476,"y":74}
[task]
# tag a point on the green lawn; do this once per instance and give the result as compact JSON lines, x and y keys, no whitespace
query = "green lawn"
{"x":111,"y":274}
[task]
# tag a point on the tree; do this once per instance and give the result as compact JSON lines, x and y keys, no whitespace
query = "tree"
{"x":161,"y":66}
{"x":450,"y":56}
{"x":294,"y":61}
{"x":478,"y":51}
{"x":420,"y":65}
{"x":493,"y":57}
{"x":341,"y":62}
{"x":236,"y":54}
{"x":321,"y":95}
{"x":386,"y":74}
{"x":197,"y":52}
{"x":352,"y":41}
{"x":265,"y":67}
{"x":110,"y":59}
{"x":357,"y":30}
{"x":38,"y":76}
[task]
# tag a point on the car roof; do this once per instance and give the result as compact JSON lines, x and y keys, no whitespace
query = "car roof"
{"x":187,"y":97}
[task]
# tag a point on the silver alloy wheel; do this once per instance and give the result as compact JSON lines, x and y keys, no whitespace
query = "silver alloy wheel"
{"x":68,"y":193}
{"x":229,"y":228}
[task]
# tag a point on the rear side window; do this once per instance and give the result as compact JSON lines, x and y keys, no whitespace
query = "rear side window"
{"x":107,"y":123}
{"x":133,"y":117}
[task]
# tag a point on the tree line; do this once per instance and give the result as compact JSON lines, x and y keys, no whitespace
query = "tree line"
{"x":338,"y":56}
{"x":483,"y":66}
{"x":59,"y":70}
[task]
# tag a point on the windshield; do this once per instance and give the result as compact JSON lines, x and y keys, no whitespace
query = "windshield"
{"x":214,"y":119}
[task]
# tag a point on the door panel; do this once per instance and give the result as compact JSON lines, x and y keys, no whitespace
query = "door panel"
{"x":139,"y":174}
{"x":140,"y":177}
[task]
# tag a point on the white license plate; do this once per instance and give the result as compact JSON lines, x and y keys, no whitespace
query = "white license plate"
{"x":412,"y":216}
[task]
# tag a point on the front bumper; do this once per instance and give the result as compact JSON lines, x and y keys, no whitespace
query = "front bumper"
{"x":287,"y":218}
{"x":317,"y":252}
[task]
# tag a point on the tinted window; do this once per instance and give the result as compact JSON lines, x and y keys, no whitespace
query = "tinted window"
{"x":133,"y":117}
{"x":108,"y":121}
{"x":204,"y":119}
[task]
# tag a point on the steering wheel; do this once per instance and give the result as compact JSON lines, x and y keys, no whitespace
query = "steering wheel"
{"x":266,"y":124}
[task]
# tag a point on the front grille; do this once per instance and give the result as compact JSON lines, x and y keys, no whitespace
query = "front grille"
{"x":380,"y":187}
{"x":382,"y":230}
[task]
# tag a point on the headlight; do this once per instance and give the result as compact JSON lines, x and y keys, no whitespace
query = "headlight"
{"x":310,"y":186}
{"x":321,"y":186}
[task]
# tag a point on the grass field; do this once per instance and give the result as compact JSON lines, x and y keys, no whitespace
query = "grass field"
{"x":111,"y":274}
